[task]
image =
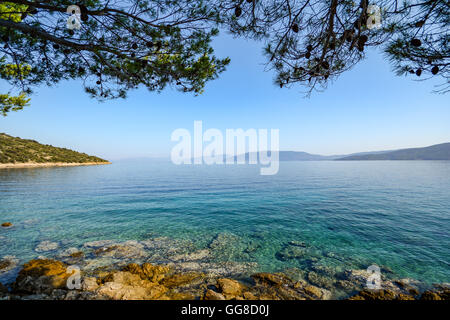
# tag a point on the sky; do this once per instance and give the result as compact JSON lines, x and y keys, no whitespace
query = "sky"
{"x":367,"y":109}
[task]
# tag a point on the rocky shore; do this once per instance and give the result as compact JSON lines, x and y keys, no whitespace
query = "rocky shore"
{"x":49,"y":164}
{"x":167,"y":269}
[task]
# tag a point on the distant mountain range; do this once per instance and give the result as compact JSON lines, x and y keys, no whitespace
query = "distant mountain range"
{"x":435,"y":152}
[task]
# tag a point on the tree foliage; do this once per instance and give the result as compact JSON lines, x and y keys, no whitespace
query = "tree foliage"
{"x":17,"y":150}
{"x":120,"y":45}
{"x":313,"y":42}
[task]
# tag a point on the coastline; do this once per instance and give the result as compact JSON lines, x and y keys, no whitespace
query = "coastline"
{"x":123,"y":271}
{"x":49,"y":164}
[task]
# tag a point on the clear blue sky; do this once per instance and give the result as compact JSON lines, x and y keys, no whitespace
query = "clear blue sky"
{"x":367,"y":109}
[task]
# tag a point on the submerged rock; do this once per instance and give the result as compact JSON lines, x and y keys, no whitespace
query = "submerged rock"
{"x":46,"y":246}
{"x":8,"y":263}
{"x":123,"y":251}
{"x":148,"y":271}
{"x":291,"y":252}
{"x":6,"y":224}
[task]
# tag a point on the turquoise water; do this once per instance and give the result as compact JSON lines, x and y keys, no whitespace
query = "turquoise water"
{"x":392,"y":213}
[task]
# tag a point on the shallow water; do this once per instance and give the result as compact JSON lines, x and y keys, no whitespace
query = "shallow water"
{"x":349,"y":214}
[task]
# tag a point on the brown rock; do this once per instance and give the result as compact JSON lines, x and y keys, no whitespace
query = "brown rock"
{"x":437,"y":294}
{"x":183,"y":279}
{"x":128,"y":286}
{"x":147,"y":271}
{"x":271,"y":279}
{"x":7,"y":224}
{"x":178,"y":296}
{"x":382,"y":294}
{"x":77,"y":254}
{"x":4,"y":264}
{"x":249,"y":296}
{"x":230,"y":287}
{"x":40,"y":275}
{"x":212,"y":295}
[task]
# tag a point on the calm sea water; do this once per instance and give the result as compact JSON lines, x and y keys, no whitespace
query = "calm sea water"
{"x":392,"y":213}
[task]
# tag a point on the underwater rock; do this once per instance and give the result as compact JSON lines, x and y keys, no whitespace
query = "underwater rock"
{"x":6,"y":224}
{"x":8,"y":263}
{"x":197,"y":255}
{"x":46,"y":246}
{"x":148,"y":271}
{"x":271,"y":279}
{"x":291,"y":252}
{"x":97,"y":244}
{"x":224,"y":243}
{"x":297,"y":243}
{"x":320,"y":280}
{"x":122,"y":251}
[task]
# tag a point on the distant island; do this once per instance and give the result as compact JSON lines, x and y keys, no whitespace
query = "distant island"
{"x":23,"y":153}
{"x":435,"y":152}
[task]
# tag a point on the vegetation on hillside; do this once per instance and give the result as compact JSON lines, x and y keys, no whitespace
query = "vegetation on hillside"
{"x":17,"y":150}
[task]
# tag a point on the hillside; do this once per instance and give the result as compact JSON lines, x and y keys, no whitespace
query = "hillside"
{"x":16,"y":151}
{"x":435,"y":152}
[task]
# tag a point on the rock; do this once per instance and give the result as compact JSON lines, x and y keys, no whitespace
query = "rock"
{"x":41,"y":276}
{"x":271,"y":279}
{"x":318,"y":293}
{"x":297,"y":243}
{"x":148,"y":271}
{"x":230,"y":287}
{"x":97,"y":244}
{"x":183,"y":279}
{"x":320,"y":280}
{"x":7,"y":224}
{"x":46,"y":246}
{"x":381,"y":294}
{"x":8,"y":263}
{"x":212,"y":295}
{"x":127,"y":286}
{"x":249,"y":296}
{"x":291,"y":252}
{"x":122,"y":251}
{"x":345,"y":285}
{"x":438,"y":293}
{"x":179,"y":296}
{"x":89,"y":284}
{"x":197,"y":255}
{"x":78,"y":254}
